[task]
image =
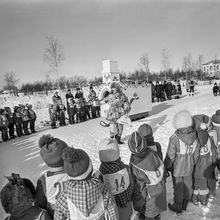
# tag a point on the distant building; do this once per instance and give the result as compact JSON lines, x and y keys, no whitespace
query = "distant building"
{"x":212,"y":68}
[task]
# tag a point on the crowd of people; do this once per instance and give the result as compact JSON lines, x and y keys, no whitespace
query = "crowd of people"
{"x":77,"y":107}
{"x":70,"y":189}
{"x":22,"y":120}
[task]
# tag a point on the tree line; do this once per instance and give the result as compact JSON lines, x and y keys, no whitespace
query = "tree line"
{"x":54,"y":57}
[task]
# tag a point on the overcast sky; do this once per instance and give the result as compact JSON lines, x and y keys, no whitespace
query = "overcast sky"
{"x":93,"y":30}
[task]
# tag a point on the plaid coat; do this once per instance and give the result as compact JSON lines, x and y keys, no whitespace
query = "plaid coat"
{"x":85,"y":195}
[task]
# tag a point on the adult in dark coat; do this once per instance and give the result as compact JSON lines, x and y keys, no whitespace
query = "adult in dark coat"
{"x":215,"y":89}
{"x":158,"y":91}
{"x":169,"y":90}
{"x":67,"y":96}
{"x":79,"y":94}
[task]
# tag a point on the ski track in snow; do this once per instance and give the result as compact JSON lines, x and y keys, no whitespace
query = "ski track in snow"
{"x":22,"y":154}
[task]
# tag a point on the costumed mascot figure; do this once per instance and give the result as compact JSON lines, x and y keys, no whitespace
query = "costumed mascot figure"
{"x":117,"y":112}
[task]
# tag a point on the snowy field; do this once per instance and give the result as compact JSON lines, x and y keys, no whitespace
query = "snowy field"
{"x":22,"y":154}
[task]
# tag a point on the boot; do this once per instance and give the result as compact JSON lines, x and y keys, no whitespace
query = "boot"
{"x":185,"y":204}
{"x":176,"y":208}
{"x":195,"y":199}
{"x":118,"y":139}
{"x":204,"y":200}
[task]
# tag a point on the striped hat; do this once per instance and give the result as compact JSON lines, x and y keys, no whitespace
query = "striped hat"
{"x":136,"y":143}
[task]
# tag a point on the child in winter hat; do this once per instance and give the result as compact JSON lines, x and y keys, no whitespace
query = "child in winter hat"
{"x":84,"y":196}
{"x":149,"y":195}
{"x":182,"y":154}
{"x":146,"y":132}
{"x":117,"y":176}
{"x":204,"y":173}
{"x":50,"y":184}
{"x":17,"y":199}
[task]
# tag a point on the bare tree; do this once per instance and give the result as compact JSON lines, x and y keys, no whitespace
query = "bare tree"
{"x":199,"y":65}
{"x":165,"y":61}
{"x":54,"y":56}
{"x":188,"y":65}
{"x":11,"y":80}
{"x":145,"y":61}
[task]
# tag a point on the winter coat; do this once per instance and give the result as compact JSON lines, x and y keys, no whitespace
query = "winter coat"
{"x":169,"y":87}
{"x":32,"y":114}
{"x":56,"y":101}
{"x":49,"y":187}
{"x":17,"y":117}
{"x":52,"y":114}
{"x":3,"y":121}
{"x":33,"y":213}
{"x":85,"y":198}
{"x":79,"y":95}
{"x":25,"y":115}
{"x":182,"y":152}
{"x":67,"y":102}
{"x":215,"y":89}
{"x":149,"y":196}
{"x":10,"y":118}
{"x":207,"y":156}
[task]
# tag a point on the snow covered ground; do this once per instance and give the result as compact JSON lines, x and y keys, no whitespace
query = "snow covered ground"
{"x":22,"y":154}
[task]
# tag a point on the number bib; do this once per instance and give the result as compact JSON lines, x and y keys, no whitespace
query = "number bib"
{"x":54,"y":186}
{"x":206,"y":149}
{"x":117,"y":182}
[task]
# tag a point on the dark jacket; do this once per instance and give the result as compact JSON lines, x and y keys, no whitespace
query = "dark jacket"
{"x":207,"y":156}
{"x":182,"y":152}
{"x":148,"y":199}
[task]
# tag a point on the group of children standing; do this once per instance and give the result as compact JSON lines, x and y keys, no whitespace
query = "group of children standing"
{"x":70,"y":190}
{"x":20,"y":122}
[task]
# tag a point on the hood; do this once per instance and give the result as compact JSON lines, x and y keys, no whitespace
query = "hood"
{"x":86,"y":192}
{"x":203,"y":136}
{"x":187,"y":135}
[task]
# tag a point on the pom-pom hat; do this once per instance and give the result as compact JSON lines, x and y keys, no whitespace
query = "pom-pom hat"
{"x":17,"y":195}
{"x":51,"y":150}
{"x":136,"y":143}
{"x":108,"y":150}
{"x":182,"y":119}
{"x":77,"y":163}
{"x":201,"y":122}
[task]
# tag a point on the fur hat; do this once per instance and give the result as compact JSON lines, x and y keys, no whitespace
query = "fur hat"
{"x":201,"y":122}
{"x":108,"y":150}
{"x":51,"y":150}
{"x":182,"y":119}
{"x":136,"y":143}
{"x":145,"y":130}
{"x":77,"y":163}
{"x":216,"y":117}
{"x":17,"y":195}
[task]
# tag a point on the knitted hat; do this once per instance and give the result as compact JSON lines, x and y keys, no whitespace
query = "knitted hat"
{"x":136,"y":143}
{"x":108,"y":150}
{"x":216,"y":117}
{"x":201,"y":122}
{"x":51,"y":150}
{"x":17,"y":195}
{"x":145,"y":130}
{"x":77,"y":163}
{"x":182,"y":119}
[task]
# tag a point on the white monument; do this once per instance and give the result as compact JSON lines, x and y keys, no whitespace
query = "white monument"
{"x":110,"y":71}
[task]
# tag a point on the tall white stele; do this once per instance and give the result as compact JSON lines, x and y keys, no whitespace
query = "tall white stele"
{"x":110,"y":72}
